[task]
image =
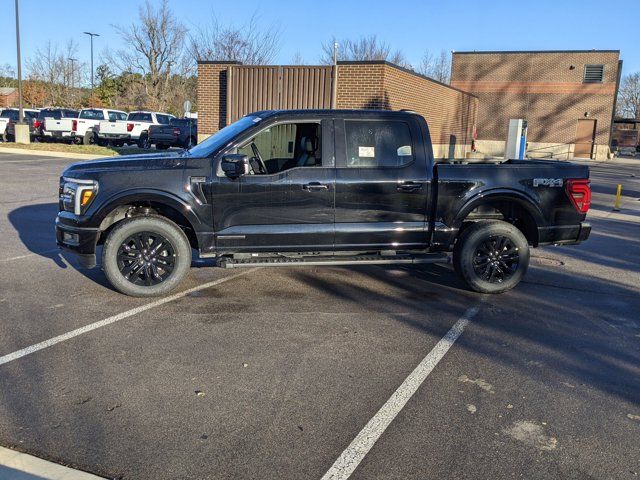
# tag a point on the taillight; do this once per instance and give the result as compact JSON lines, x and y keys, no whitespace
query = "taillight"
{"x":74,"y":125}
{"x":129,"y":127}
{"x":37,"y":123}
{"x":176,"y":132}
{"x":580,"y":194}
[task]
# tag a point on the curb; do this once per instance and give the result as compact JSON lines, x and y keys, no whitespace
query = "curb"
{"x":20,"y":466}
{"x":47,"y":153}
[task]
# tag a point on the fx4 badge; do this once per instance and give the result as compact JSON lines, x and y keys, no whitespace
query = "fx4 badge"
{"x":547,"y":182}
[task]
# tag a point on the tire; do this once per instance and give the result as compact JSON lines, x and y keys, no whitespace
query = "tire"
{"x":89,"y":138}
{"x":143,"y":141}
{"x":479,"y":261}
{"x":148,"y":279}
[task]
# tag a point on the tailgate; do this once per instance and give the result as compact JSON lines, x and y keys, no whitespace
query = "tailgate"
{"x":118,"y":127}
{"x":62,"y":125}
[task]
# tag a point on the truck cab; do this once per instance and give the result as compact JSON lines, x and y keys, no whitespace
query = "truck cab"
{"x":317,"y":187}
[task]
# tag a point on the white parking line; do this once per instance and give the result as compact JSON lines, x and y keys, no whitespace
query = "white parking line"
{"x":349,"y":460}
{"x":115,"y":318}
{"x":20,"y":466}
{"x":29,"y":255}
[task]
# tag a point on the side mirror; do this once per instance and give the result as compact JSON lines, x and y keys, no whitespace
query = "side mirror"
{"x":235,"y":165}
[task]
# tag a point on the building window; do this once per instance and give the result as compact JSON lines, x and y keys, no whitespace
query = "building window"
{"x":593,"y":73}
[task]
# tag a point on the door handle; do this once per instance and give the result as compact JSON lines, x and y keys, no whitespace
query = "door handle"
{"x":315,"y":186}
{"x":409,"y":186}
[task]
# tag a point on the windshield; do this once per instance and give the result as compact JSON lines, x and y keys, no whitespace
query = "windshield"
{"x":224,"y":136}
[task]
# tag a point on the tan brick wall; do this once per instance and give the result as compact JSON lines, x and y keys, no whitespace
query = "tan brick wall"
{"x":542,"y":88}
{"x":365,"y":85}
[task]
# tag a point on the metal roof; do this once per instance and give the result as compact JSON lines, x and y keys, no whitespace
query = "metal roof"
{"x":7,"y":90}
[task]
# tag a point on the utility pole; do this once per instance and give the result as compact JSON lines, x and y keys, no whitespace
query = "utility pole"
{"x":21,"y":111}
{"x":91,"y":35}
{"x":334,"y":83}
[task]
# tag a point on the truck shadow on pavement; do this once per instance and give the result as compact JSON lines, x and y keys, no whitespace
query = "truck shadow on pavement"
{"x":35,"y":227}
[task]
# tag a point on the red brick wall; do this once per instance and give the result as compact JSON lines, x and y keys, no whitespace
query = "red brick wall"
{"x":212,"y":96}
{"x":541,"y":87}
{"x":10,"y":100}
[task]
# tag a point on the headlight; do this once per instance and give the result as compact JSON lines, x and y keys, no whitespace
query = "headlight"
{"x":77,"y":194}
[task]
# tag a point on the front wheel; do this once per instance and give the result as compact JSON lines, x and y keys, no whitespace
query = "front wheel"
{"x":146,"y":256}
{"x":491,"y":256}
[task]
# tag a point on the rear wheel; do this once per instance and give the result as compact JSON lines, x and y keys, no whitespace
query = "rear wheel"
{"x":89,"y":138}
{"x":491,"y":256}
{"x":143,"y":141}
{"x":146,"y":256}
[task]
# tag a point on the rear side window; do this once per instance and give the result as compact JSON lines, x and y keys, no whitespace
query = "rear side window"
{"x":163,"y":119}
{"x":115,"y":116}
{"x":372,"y":144}
{"x":69,"y":114}
{"x":12,"y":114}
{"x":92,"y":114}
{"x":31,"y":115}
{"x":140,"y":117}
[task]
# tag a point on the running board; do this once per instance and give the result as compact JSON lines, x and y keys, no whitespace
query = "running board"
{"x":332,"y":260}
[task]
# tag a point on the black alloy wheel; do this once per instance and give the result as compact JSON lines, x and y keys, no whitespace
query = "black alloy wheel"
{"x":146,"y":258}
{"x":496,"y":259}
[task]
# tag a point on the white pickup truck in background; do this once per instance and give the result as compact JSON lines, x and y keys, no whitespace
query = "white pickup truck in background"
{"x":89,"y":118}
{"x":8,"y":119}
{"x":134,"y":130}
{"x":57,"y":123}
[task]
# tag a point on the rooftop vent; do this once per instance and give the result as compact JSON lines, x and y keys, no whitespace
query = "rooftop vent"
{"x":593,"y":73}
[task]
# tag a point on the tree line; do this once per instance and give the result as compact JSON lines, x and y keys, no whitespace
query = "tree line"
{"x":158,"y":68}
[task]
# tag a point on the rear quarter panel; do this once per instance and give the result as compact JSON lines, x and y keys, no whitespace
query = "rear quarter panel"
{"x":461,"y":187}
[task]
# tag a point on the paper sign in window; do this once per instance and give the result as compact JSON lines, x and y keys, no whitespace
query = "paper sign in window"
{"x":366,"y":152}
{"x":404,"y":151}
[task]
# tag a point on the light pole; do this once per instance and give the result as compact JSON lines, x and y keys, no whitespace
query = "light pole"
{"x":21,"y":112}
{"x":91,"y":35}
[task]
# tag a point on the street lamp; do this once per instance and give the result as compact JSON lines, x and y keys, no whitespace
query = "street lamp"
{"x":91,"y":35}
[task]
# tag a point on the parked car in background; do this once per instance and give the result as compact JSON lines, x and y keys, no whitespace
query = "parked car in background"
{"x":89,"y":118}
{"x":134,"y":130}
{"x":55,"y":124}
{"x":8,"y":119}
{"x":181,"y":132}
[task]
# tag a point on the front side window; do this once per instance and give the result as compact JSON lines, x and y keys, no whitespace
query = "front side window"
{"x":284,"y":146}
{"x":372,"y":144}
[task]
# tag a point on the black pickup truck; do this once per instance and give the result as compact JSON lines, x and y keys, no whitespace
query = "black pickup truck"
{"x":316,"y":187}
{"x":181,"y":132}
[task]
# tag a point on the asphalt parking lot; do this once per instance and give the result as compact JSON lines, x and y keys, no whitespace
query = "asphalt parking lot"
{"x":273,"y":373}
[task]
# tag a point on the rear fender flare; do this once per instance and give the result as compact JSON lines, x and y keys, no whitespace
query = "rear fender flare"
{"x":519,"y":198}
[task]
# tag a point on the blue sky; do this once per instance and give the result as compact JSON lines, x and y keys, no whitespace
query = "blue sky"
{"x":409,"y":25}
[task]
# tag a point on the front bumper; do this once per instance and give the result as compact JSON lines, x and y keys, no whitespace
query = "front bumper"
{"x":564,"y":235}
{"x":80,"y":241}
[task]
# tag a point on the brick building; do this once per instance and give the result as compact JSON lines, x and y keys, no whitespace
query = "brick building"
{"x":8,"y":97}
{"x":567,"y":98}
{"x":228,"y":90}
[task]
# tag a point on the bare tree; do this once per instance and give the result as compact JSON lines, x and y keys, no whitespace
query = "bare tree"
{"x":297,"y":59}
{"x":364,"y":48}
{"x":436,"y":67}
{"x":628,"y":104}
{"x":155,"y":55}
{"x":57,"y":72}
{"x":251,"y":44}
{"x":7,"y":76}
